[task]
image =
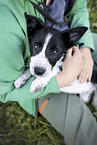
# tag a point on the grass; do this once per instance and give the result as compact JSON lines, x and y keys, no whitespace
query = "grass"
{"x":19,"y":128}
{"x":92,"y":7}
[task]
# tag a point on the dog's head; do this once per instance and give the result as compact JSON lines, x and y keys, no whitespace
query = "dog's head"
{"x":47,"y":45}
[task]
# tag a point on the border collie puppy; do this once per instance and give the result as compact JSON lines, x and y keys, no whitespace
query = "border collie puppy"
{"x":48,"y":49}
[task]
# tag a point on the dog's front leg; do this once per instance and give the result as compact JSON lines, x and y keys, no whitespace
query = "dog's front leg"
{"x":38,"y":84}
{"x":21,"y":80}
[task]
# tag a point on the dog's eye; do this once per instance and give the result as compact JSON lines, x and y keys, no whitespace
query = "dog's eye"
{"x":36,"y":47}
{"x":54,"y":52}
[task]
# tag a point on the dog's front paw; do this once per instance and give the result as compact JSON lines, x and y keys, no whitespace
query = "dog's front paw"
{"x":19,"y":83}
{"x":34,"y":89}
{"x":37,"y":85}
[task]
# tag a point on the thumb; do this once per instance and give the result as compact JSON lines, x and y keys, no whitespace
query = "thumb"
{"x":69,"y":52}
{"x":75,"y":49}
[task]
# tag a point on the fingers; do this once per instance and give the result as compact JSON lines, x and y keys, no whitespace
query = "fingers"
{"x":86,"y":73}
{"x":81,"y":58}
{"x":87,"y":69}
{"x":91,"y":70}
{"x":83,"y":76}
{"x":75,"y":49}
{"x":89,"y":78}
{"x":69,"y":53}
{"x":72,"y":51}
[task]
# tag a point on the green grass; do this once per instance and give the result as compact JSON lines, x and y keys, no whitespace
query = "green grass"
{"x":19,"y":128}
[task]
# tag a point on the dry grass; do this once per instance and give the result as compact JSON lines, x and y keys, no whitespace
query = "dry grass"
{"x":19,"y":128}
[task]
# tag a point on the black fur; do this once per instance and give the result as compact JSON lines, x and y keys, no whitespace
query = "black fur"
{"x":94,"y":74}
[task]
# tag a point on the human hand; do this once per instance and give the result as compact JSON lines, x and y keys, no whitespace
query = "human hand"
{"x":72,"y":67}
{"x":87,"y":69}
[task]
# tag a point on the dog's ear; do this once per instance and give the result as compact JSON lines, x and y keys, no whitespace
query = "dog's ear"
{"x":71,"y":36}
{"x":33,"y":24}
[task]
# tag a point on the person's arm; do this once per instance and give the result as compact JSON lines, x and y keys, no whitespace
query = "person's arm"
{"x":79,"y":16}
{"x":13,"y":51}
{"x":72,"y":67}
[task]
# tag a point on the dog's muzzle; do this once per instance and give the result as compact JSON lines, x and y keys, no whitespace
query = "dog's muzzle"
{"x":40,"y":66}
{"x":39,"y":71}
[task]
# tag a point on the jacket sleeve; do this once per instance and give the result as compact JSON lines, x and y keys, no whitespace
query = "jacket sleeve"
{"x":23,"y":94}
{"x":79,"y":16}
{"x":24,"y":98}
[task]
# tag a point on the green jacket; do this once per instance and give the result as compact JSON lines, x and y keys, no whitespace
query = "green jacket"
{"x":14,"y":49}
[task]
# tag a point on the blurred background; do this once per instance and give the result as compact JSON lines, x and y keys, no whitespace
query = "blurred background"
{"x":19,"y":128}
{"x":92,"y":7}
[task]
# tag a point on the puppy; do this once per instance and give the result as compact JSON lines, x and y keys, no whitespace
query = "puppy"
{"x":48,"y":49}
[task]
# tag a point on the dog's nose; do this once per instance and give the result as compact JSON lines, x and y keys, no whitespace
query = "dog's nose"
{"x":39,"y":70}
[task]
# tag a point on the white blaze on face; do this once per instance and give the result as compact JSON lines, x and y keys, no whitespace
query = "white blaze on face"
{"x":40,"y":59}
{"x":48,"y":37}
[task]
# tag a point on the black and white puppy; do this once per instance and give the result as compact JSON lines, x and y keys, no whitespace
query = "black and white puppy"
{"x":48,"y":49}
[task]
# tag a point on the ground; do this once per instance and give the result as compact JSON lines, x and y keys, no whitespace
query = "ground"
{"x":19,"y":128}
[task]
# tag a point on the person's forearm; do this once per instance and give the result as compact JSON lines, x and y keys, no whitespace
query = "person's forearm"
{"x":71,"y":67}
{"x":61,"y":80}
